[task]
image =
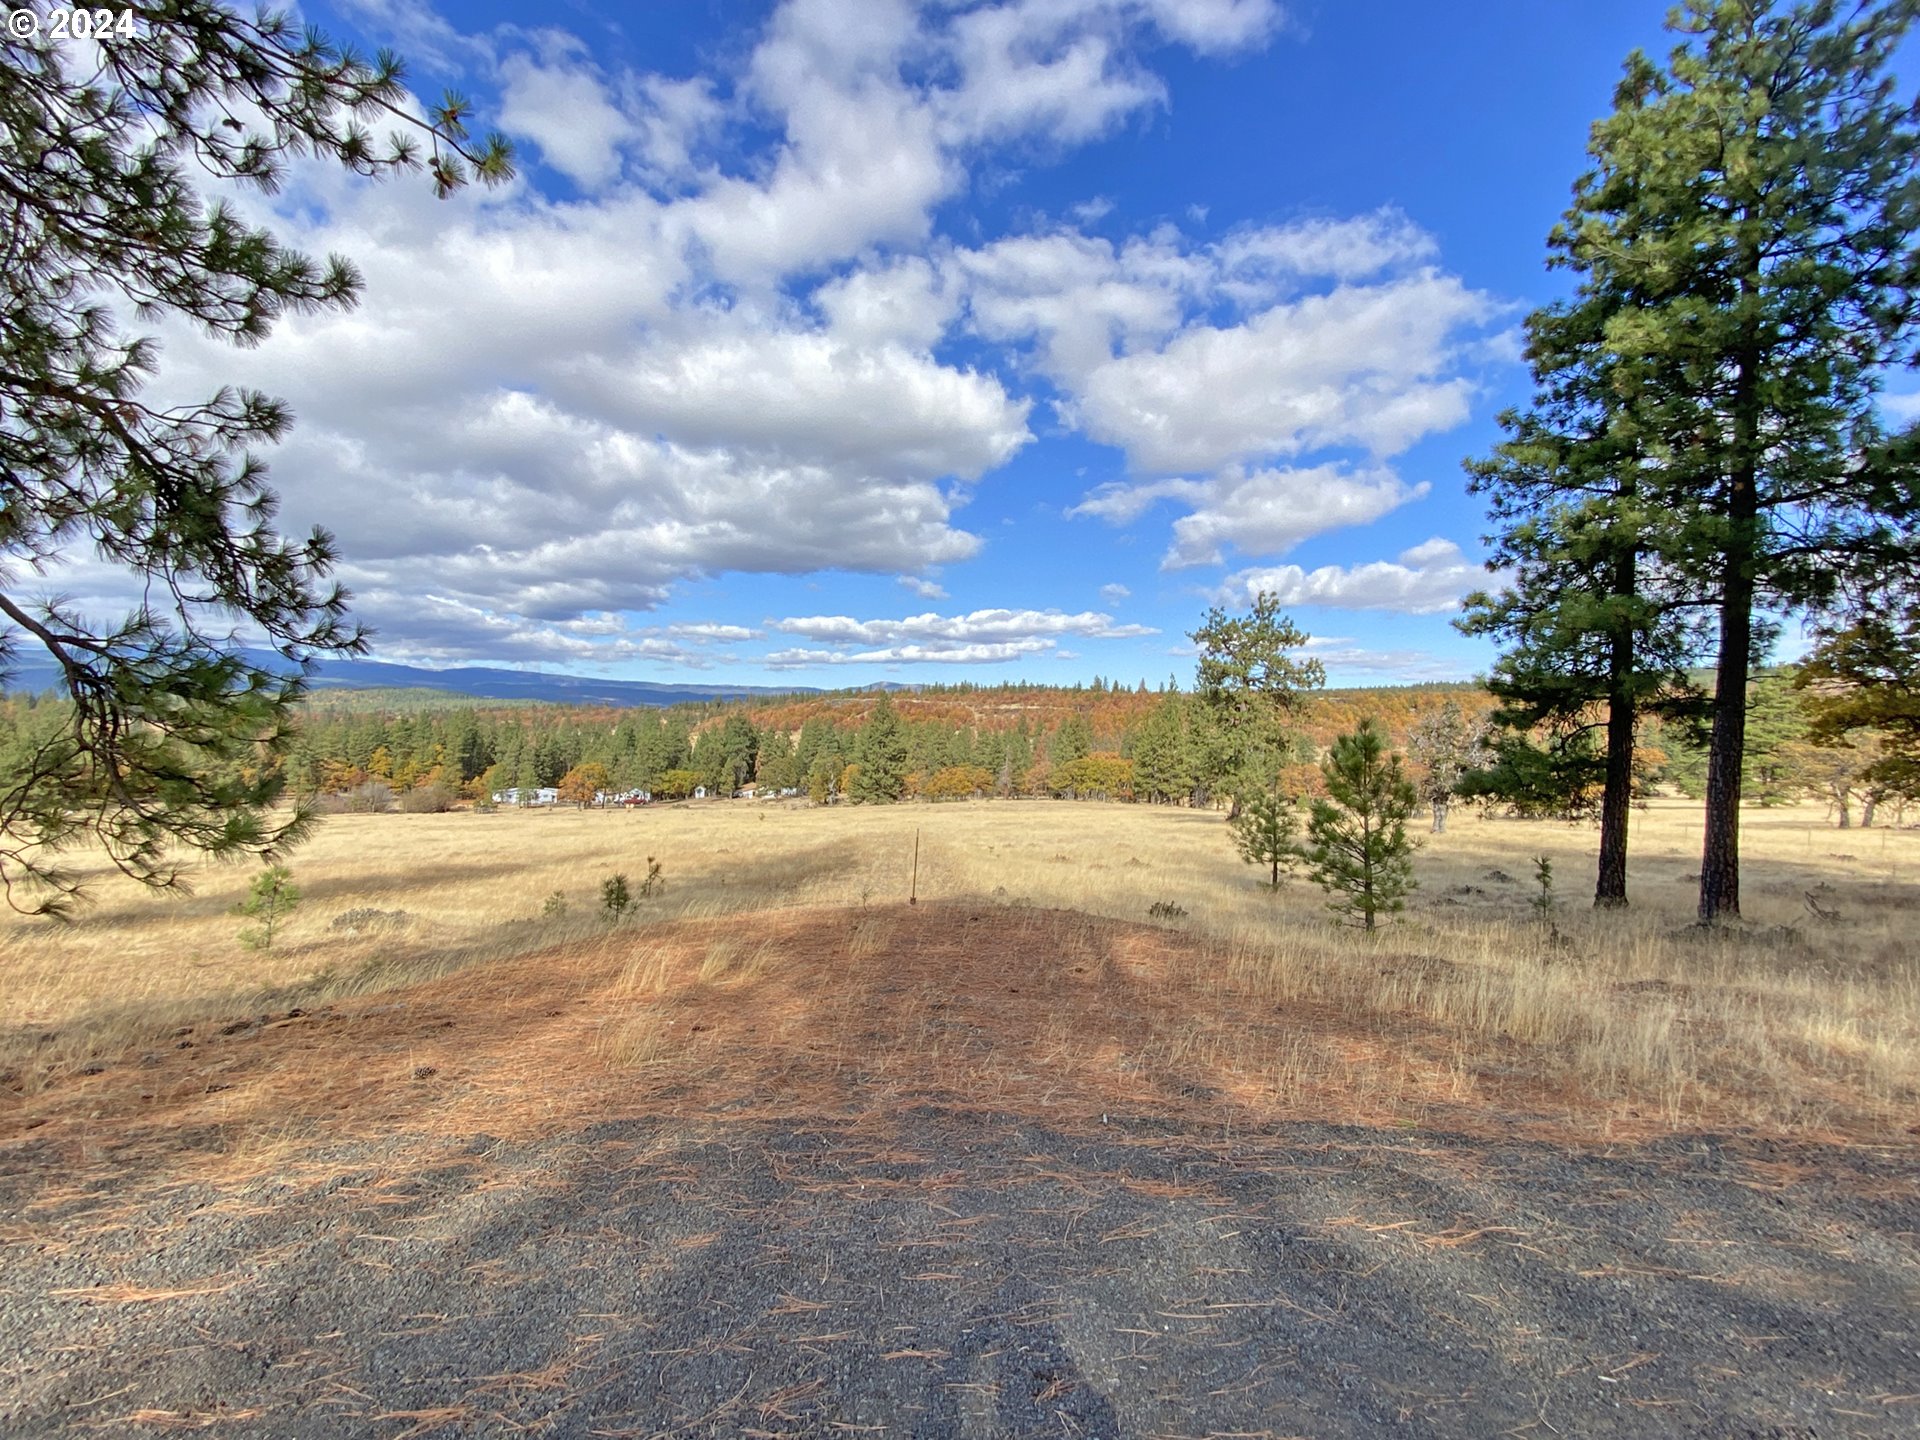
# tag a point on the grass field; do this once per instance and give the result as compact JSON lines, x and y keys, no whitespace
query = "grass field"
{"x":1800,"y":1019}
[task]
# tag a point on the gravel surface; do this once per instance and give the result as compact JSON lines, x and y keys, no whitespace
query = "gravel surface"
{"x":946,"y":1273}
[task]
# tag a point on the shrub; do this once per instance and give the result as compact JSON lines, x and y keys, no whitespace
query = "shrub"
{"x":555,"y":906}
{"x":615,"y":896}
{"x":372,"y":798}
{"x":1166,"y":910}
{"x":434,"y":799}
{"x":654,"y":883}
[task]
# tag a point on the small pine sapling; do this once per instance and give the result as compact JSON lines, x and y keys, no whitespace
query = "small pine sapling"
{"x":614,"y":896}
{"x":1359,"y":851}
{"x":555,"y":907}
{"x":1543,"y":877}
{"x":272,"y":897}
{"x":1266,"y":832}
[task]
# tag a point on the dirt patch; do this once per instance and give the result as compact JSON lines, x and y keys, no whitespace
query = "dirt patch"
{"x":939,"y":1171}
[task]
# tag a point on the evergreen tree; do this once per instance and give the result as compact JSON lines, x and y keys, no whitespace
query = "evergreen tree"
{"x":881,"y":756}
{"x":1749,"y":232}
{"x":1593,"y":637}
{"x":1072,"y":741}
{"x":1162,"y":763}
{"x":1863,"y":677}
{"x":1358,"y":848}
{"x":1266,"y":832}
{"x":1249,"y":685}
{"x":99,"y":149}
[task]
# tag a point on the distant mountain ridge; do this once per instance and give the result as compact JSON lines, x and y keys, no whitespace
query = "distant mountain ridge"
{"x":37,"y":673}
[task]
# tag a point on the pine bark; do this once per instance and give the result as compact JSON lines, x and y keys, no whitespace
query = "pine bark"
{"x":1720,"y":856}
{"x":1616,"y":801}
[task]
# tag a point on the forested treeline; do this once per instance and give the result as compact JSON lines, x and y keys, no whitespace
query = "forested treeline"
{"x":1094,"y":741}
{"x":1099,"y":741}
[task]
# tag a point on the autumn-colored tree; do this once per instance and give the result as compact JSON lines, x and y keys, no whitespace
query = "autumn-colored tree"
{"x":676,"y":784}
{"x":580,"y":784}
{"x":1093,"y":777}
{"x":957,"y":782}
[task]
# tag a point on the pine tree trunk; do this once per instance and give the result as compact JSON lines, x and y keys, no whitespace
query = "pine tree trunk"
{"x":1616,"y":801}
{"x":1866,"y":810}
{"x":1720,"y":856}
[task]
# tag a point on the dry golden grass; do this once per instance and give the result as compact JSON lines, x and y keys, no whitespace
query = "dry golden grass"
{"x":1789,"y":1021}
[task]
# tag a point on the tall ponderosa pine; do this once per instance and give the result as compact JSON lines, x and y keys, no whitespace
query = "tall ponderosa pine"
{"x":1749,"y":231}
{"x":99,"y":217}
{"x":1249,"y":684}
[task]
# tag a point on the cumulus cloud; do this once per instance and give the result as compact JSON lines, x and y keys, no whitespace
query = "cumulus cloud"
{"x":441,"y":629}
{"x":1115,"y":593}
{"x":1428,"y":579}
{"x":727,"y":351}
{"x":1362,"y":366}
{"x":985,"y":654}
{"x":1225,"y":369}
{"x":1255,"y":511}
{"x":554,"y":98}
{"x":978,"y":638}
{"x":1348,"y":663}
{"x":979,"y":625}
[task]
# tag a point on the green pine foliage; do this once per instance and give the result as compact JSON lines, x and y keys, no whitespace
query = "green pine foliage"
{"x":1358,"y":849}
{"x":1748,"y":263}
{"x":269,"y":900}
{"x":1249,"y":683}
{"x":1267,"y":832}
{"x":171,"y":743}
{"x":881,"y":776}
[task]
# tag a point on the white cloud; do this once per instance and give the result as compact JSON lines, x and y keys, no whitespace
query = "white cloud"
{"x":706,"y":633}
{"x":1115,"y":593}
{"x":441,"y":629}
{"x":977,"y":626}
{"x":905,"y":302}
{"x":1428,"y":579}
{"x":978,"y":638}
{"x":1353,"y":663}
{"x":724,"y":359}
{"x":1257,"y":512}
{"x":985,"y":654}
{"x":1350,"y":249}
{"x":1364,"y":366}
{"x":924,"y":588}
{"x":1902,"y":409}
{"x":559,"y":103}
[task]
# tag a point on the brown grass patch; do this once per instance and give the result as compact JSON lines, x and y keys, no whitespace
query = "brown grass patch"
{"x":777,"y":986}
{"x":1071,"y":1020}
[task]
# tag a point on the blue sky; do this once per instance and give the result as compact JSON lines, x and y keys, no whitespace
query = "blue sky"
{"x":844,"y":340}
